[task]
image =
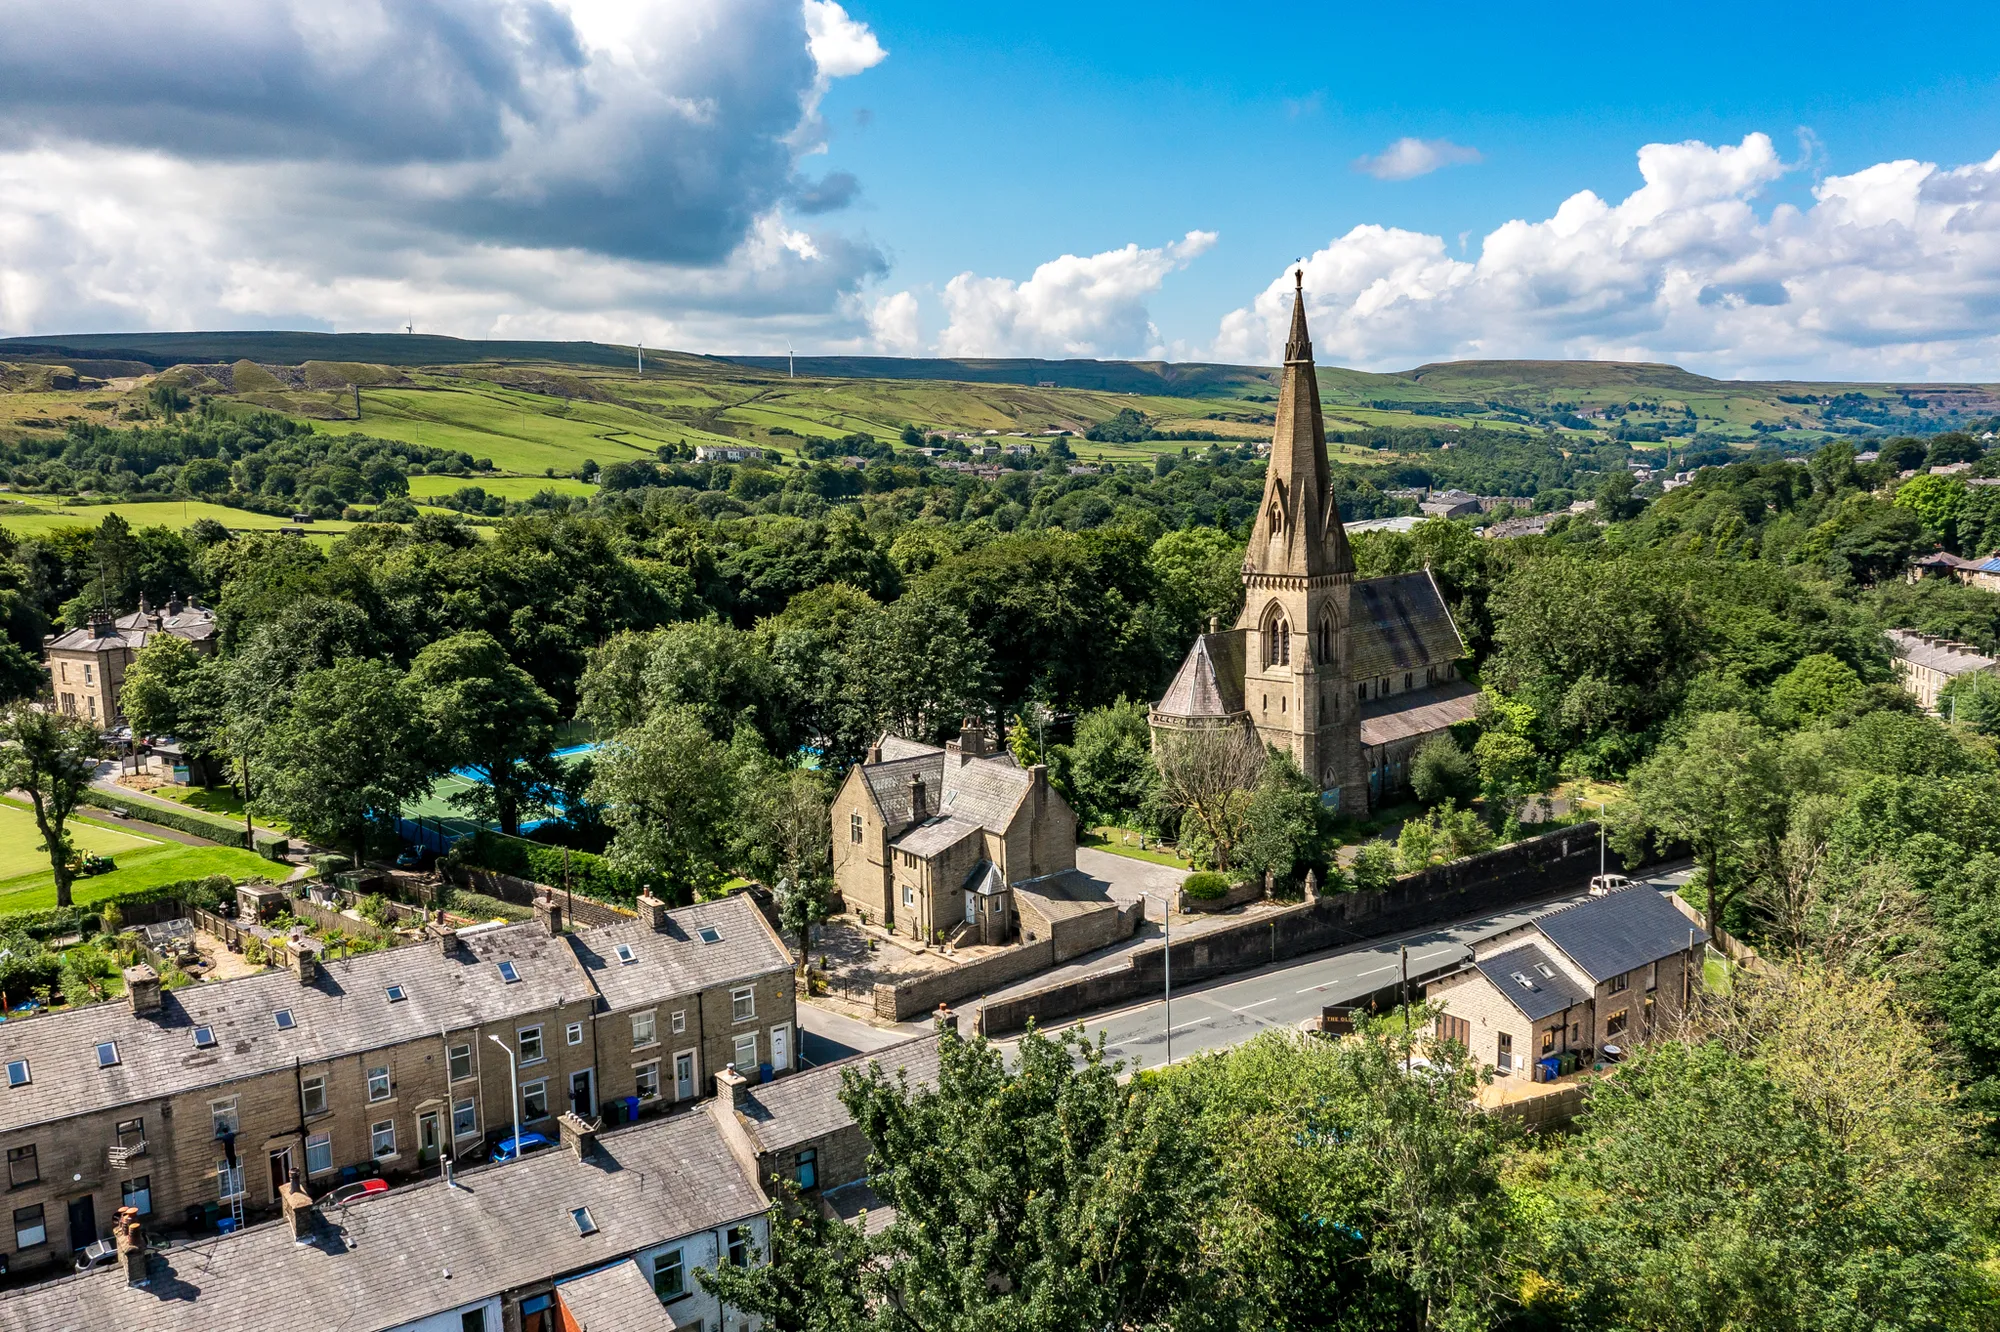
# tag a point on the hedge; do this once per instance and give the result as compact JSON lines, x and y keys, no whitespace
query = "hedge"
{"x":209,"y":894}
{"x":589,"y":876}
{"x":1206,"y":887}
{"x":198,"y":825}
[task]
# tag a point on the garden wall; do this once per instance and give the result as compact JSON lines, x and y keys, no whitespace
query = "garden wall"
{"x":583,"y":913}
{"x":1250,"y":890}
{"x":1526,"y":871}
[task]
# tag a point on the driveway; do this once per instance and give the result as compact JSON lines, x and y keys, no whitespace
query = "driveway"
{"x":1126,"y":879}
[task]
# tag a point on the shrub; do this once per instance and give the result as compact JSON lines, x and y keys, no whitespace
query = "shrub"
{"x":328,"y":865}
{"x":482,"y":907}
{"x":1206,"y":887}
{"x":1441,"y":771}
{"x":1374,"y":867}
{"x":215,"y":830}
{"x":589,"y":876}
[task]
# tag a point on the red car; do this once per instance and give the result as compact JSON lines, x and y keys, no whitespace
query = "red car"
{"x":348,"y":1193}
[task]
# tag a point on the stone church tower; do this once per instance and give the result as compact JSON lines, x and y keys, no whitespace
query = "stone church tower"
{"x":1298,"y":575}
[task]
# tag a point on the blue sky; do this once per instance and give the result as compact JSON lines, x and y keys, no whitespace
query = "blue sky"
{"x":1034,"y":178}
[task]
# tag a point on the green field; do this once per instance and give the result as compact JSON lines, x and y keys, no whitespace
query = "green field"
{"x":507,"y":487}
{"x":27,"y":884}
{"x":51,"y":515}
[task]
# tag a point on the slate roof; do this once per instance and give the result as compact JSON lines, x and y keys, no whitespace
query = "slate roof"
{"x":1065,"y":894}
{"x":1399,"y":624}
{"x":985,"y":791}
{"x":1549,"y":991}
{"x":889,"y":783}
{"x":1418,"y":712}
{"x":345,"y":1011}
{"x":901,"y":747}
{"x":675,"y":961}
{"x":422,"y":1249}
{"x":984,"y":880}
{"x":933,"y":836}
{"x":797,"y":1109}
{"x":1610,"y":935}
{"x":857,"y":1202}
{"x":1209,"y":684}
{"x":1941,"y":655}
{"x":616,"y":1299}
{"x":980,"y":792}
{"x":137,"y":628}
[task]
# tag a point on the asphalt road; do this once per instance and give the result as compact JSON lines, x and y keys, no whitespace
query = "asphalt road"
{"x":1231,"y":1010}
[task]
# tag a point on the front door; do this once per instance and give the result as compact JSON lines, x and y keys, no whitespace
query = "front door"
{"x":281,"y":1170}
{"x":430,"y":1136}
{"x":82,"y":1221}
{"x":582,"y":1095}
{"x":781,"y":1048}
{"x":972,"y":908}
{"x":684,"y":1075}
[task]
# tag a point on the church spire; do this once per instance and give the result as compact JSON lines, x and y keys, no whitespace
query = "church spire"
{"x":1298,"y":529}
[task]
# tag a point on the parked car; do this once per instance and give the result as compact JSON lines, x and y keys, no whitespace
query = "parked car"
{"x":96,"y":1254}
{"x":355,"y":1192}
{"x":1602,"y":884}
{"x":511,"y":1148}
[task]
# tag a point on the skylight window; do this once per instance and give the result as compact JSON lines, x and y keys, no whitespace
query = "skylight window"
{"x":585,"y":1225}
{"x":17,"y":1073}
{"x":107,"y":1054}
{"x":204,"y":1037}
{"x":709,"y":934}
{"x":508,"y":973}
{"x":1522,"y":977}
{"x":396,"y":994}
{"x":1548,"y":972}
{"x":284,"y":1019}
{"x":624,"y":952}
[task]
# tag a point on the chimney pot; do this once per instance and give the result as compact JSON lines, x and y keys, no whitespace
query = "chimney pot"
{"x":142,"y":987}
{"x":653,"y":911}
{"x":945,"y":1017}
{"x":734,"y":1085}
{"x":130,"y":1240}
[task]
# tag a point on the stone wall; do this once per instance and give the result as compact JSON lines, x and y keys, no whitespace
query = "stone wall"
{"x":583,"y":913}
{"x":920,"y":995}
{"x":1250,"y":890}
{"x":1526,"y":871}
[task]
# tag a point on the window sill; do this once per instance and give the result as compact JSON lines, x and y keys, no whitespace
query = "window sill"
{"x":649,"y":1045}
{"x":737,"y":1022}
{"x":16,"y":1188}
{"x":534,"y":1063}
{"x":389,"y":1156}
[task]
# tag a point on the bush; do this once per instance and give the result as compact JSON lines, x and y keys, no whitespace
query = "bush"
{"x":328,"y":865}
{"x":1441,"y":771}
{"x":1206,"y":886}
{"x":589,"y":876}
{"x":479,"y":905}
{"x":1374,"y":867}
{"x":199,"y":825}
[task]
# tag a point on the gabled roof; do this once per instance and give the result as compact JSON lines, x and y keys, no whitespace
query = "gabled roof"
{"x":796,"y":1109}
{"x":1418,"y":712}
{"x":1611,"y":935}
{"x":1209,"y":684}
{"x":933,"y":836}
{"x":618,"y":1298}
{"x":677,"y":961}
{"x":889,"y":783}
{"x":1400,"y":623}
{"x":423,"y":1249}
{"x":985,"y":791}
{"x":895,"y":747}
{"x":1532,"y":981}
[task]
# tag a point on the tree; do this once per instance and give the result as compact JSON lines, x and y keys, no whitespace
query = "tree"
{"x":1199,"y":573}
{"x":346,"y":754}
{"x":1204,"y":771}
{"x":1614,"y":497}
{"x":1441,"y":771}
{"x":1110,"y":767}
{"x":783,"y":838}
{"x":1821,"y":687}
{"x":1938,"y":500}
{"x":487,"y":715}
{"x":1718,"y":789}
{"x":667,"y":788}
{"x":171,"y":689}
{"x":1284,"y":822}
{"x":51,"y":758}
{"x":1443,"y":834}
{"x":1972,"y":700}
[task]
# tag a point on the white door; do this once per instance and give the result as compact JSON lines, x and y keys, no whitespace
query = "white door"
{"x":684,"y":1075}
{"x":781,"y":1047}
{"x":971,"y":908}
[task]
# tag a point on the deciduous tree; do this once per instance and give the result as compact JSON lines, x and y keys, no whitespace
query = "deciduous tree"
{"x":51,"y":758}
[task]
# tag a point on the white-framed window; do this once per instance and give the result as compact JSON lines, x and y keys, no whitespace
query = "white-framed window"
{"x":132,"y":1136}
{"x":646,"y":1080}
{"x":312,"y":1092}
{"x":222,"y":1116}
{"x":746,"y":1052}
{"x":382,"y":1138}
{"x":535,"y":1100}
{"x":854,"y":828}
{"x":670,"y":1275}
{"x":459,"y":1057}
{"x":743,"y":1005}
{"x":645,"y":1028}
{"x":228,"y":1179}
{"x":574,"y":1033}
{"x":137,"y":1194}
{"x":680,"y":1022}
{"x":378,"y":1083}
{"x":531,"y":1044}
{"x":17,"y":1073}
{"x":1621,"y":982}
{"x":909,"y":896}
{"x":464,"y":1118}
{"x":319,"y":1153}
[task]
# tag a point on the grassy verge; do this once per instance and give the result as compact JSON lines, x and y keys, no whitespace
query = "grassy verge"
{"x":1125,"y":842}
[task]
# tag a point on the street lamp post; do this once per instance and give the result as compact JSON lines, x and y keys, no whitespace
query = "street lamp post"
{"x":1167,"y":919}
{"x":514,"y":1081}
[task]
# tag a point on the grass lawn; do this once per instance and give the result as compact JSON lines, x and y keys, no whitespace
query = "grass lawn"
{"x":21,"y":851}
{"x":50,"y":517}
{"x":507,"y":487}
{"x":152,"y":864}
{"x":1125,"y":842}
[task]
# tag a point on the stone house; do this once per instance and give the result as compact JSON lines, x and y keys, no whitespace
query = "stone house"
{"x":1925,"y":663}
{"x":87,"y":666}
{"x":1346,"y":676}
{"x":931,"y":842}
{"x":1608,"y":971}
{"x":208,"y":1097}
{"x":622,"y":1220}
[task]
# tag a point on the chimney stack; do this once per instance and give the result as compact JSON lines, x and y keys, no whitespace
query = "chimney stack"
{"x":945,"y":1017}
{"x":447,"y":939}
{"x":654,"y":912}
{"x":305,"y":959}
{"x":577,"y":1133}
{"x":917,"y":810}
{"x":734,"y":1085}
{"x":102,"y":625}
{"x":548,"y":915}
{"x":142,"y":987}
{"x":874,"y":753}
{"x":298,"y":1209}
{"x":130,"y":1239}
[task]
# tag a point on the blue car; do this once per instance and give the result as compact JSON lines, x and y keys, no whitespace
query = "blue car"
{"x":511,"y":1148}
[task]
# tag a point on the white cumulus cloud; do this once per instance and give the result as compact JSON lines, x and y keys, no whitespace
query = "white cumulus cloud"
{"x":1406,"y":159}
{"x":1094,"y":305}
{"x":893,"y":324}
{"x":1892,"y":271}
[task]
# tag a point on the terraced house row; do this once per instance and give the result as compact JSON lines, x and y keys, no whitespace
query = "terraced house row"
{"x":199,"y":1104}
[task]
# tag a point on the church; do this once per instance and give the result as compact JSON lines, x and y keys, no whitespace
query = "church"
{"x":1348,"y":676}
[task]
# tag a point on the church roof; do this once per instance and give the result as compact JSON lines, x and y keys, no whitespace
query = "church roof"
{"x":1400,"y":623}
{"x":1209,"y":684}
{"x":1384,"y":721}
{"x":1298,"y":531}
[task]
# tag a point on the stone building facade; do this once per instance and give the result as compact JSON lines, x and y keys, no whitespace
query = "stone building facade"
{"x":207,"y":1095}
{"x":1926,"y":663}
{"x":87,"y":666}
{"x":1346,"y":676}
{"x":931,"y":842}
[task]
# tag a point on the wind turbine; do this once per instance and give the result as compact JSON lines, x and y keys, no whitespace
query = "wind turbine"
{"x":791,"y":372}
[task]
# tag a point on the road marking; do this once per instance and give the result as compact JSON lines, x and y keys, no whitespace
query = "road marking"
{"x":1259,"y":1004}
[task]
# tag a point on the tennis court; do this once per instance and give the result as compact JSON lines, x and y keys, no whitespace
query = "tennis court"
{"x":433,"y":820}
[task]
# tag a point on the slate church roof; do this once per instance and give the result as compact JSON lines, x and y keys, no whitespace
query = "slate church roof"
{"x":1209,"y":684}
{"x":1399,"y":624}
